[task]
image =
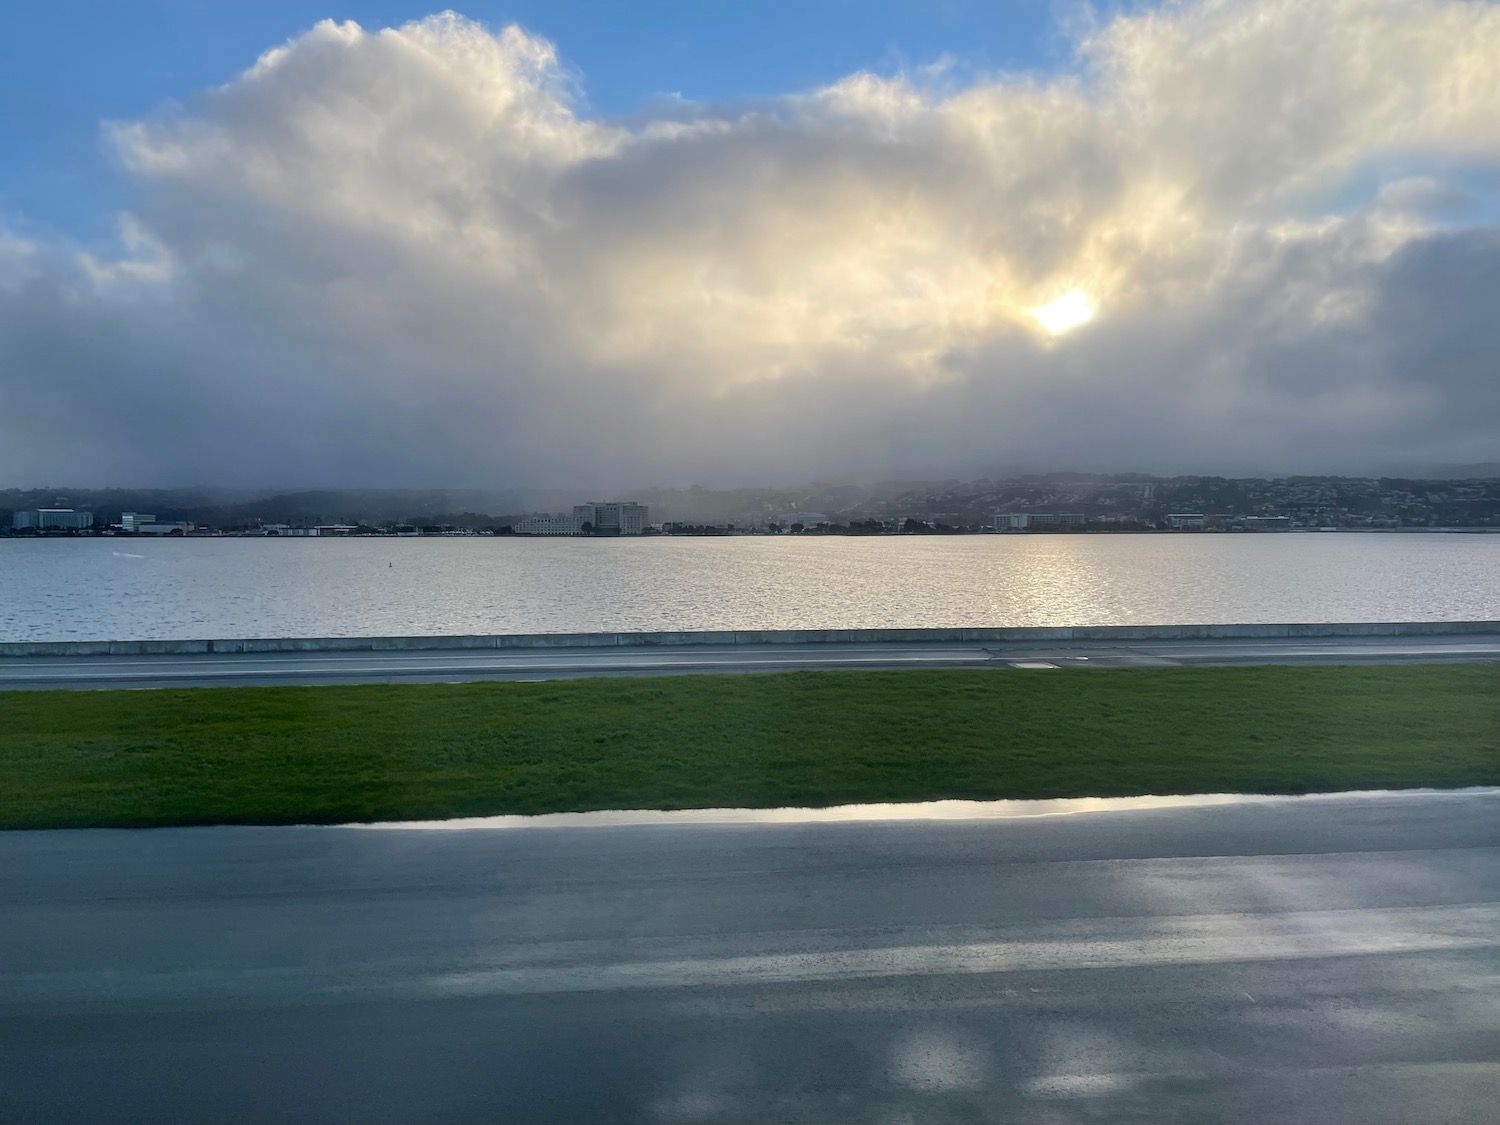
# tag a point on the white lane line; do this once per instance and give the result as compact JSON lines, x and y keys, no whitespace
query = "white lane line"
{"x":127,"y":670}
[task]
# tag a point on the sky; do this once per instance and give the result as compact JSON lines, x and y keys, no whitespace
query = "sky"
{"x":608,"y":244}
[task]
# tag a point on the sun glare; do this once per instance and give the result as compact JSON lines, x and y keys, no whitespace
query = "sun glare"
{"x":1066,"y":313}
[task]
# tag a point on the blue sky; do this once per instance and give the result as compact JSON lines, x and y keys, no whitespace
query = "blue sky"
{"x":67,"y":66}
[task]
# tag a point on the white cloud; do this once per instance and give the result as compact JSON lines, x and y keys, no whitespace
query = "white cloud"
{"x":403,"y":256}
{"x":17,"y":256}
{"x":147,"y":259}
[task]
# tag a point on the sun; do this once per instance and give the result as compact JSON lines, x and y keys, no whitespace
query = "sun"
{"x":1066,"y":313}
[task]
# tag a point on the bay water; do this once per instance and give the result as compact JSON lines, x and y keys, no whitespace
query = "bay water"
{"x":138,"y":588}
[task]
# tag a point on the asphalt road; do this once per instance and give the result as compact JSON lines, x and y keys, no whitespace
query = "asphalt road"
{"x":554,"y":664}
{"x":1334,"y":961}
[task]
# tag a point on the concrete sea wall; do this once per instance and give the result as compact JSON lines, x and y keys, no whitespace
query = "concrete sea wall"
{"x":1085,"y":633}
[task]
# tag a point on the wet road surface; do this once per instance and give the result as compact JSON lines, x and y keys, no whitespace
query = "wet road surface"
{"x":441,"y":665}
{"x":1319,"y":960}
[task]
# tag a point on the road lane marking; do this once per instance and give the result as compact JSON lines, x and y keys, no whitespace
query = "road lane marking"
{"x":293,"y":667}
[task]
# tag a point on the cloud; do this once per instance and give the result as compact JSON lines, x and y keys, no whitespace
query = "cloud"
{"x":405,"y":256}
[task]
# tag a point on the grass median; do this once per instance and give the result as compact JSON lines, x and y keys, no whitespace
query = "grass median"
{"x":277,"y":755}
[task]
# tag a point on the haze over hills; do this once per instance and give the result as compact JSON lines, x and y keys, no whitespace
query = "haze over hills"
{"x":1126,"y":500}
{"x":1480,"y":471}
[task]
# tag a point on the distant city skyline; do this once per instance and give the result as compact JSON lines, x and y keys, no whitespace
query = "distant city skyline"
{"x":595,"y":246}
{"x":1050,"y":502}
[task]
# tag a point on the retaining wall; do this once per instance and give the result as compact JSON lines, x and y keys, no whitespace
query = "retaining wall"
{"x":1099,"y":633}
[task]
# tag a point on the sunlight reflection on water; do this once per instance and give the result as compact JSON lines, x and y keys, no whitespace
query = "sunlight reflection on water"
{"x":61,"y":589}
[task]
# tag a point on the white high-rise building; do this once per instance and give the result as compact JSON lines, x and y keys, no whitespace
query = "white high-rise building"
{"x":617,"y":517}
{"x":63,"y":518}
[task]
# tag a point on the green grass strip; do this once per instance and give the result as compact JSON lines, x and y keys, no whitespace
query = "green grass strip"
{"x":276,"y":755}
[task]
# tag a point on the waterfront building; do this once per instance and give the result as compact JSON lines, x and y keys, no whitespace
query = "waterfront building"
{"x":548,"y":525}
{"x":322,"y":529}
{"x":615,"y":517}
{"x":1187,"y":521}
{"x":132,"y":521}
{"x":1026,"y":521}
{"x":65,"y":519}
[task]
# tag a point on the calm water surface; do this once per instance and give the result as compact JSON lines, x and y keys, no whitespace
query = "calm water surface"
{"x":58,"y":589}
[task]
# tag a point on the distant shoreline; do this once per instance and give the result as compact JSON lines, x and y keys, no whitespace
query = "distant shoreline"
{"x":737,"y":534}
